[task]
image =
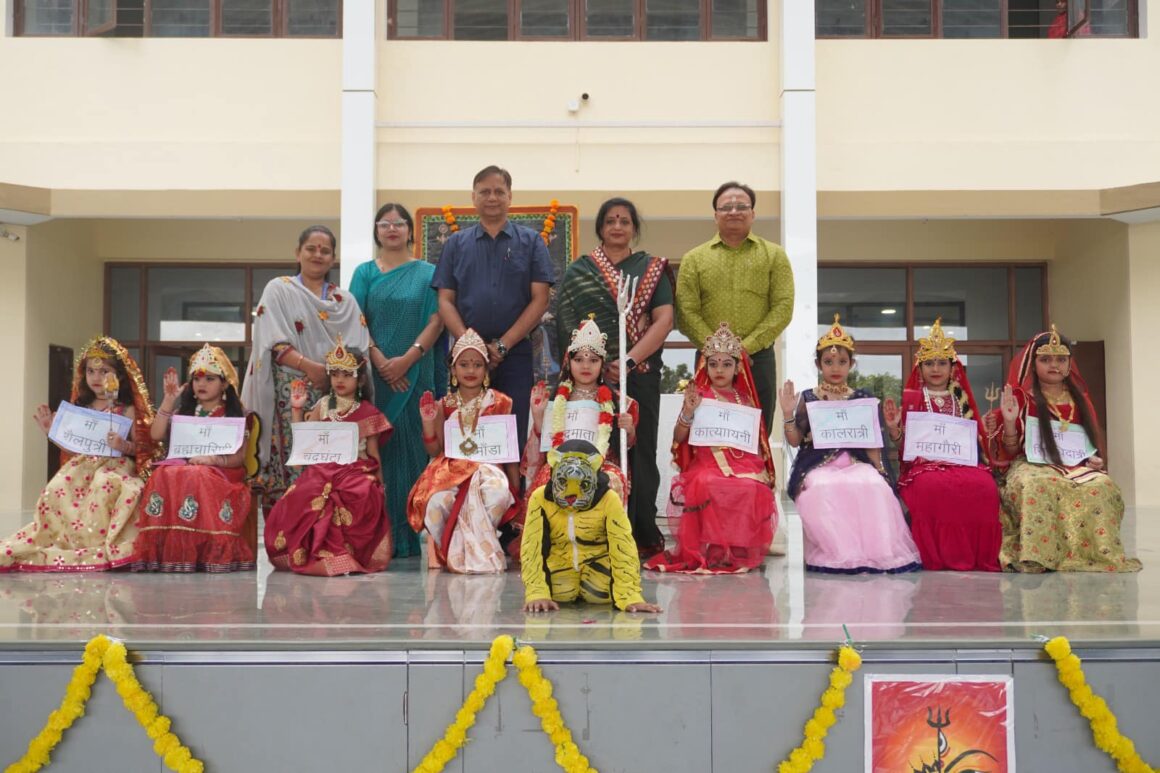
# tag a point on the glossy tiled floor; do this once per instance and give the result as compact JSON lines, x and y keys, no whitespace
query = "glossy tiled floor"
{"x":409,"y":607}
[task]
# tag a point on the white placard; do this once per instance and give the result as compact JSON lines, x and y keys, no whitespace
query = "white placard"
{"x":941,"y":438}
{"x":495,"y":440}
{"x":845,"y":423}
{"x":85,"y":431}
{"x":202,"y":436}
{"x":717,"y":423}
{"x":581,"y":422}
{"x":1074,"y":445}
{"x":320,"y":442}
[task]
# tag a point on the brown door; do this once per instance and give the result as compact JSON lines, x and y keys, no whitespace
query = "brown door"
{"x":60,"y":374}
{"x":1089,"y":356}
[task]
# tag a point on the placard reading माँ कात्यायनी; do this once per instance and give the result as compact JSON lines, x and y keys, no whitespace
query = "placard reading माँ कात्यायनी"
{"x":191,"y":436}
{"x":581,"y":422}
{"x":320,"y":442}
{"x":85,"y":431}
{"x":1074,"y":445}
{"x":845,"y":423}
{"x":941,"y":438}
{"x":717,"y":423}
{"x":495,"y":440}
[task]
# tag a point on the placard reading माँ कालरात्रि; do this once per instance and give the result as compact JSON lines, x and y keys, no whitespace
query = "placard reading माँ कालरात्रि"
{"x":716,"y":423}
{"x":319,"y":442}
{"x":191,"y":436}
{"x":845,"y":423}
{"x":581,"y":422}
{"x":1074,"y":445}
{"x":85,"y":431}
{"x":941,"y":438}
{"x":495,"y":440}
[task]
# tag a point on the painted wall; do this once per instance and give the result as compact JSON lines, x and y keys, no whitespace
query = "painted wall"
{"x":1144,"y":273}
{"x":14,"y":423}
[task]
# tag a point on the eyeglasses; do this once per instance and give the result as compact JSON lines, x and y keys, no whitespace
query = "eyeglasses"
{"x":725,"y":209}
{"x":392,"y":224}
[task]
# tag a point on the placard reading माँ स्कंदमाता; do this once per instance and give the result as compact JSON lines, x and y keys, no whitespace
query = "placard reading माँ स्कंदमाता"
{"x":580,"y":423}
{"x":845,"y":423}
{"x":717,"y":423}
{"x":495,"y":440}
{"x":941,"y":438}
{"x":85,"y":431}
{"x":319,"y":442}
{"x":191,"y":436}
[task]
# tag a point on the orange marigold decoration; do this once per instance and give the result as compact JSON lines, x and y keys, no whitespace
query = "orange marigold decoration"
{"x":550,"y":221}
{"x":449,"y":218}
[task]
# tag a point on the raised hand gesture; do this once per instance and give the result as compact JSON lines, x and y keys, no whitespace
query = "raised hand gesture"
{"x":169,"y":384}
{"x":1009,"y":405}
{"x":539,"y":402}
{"x":787,"y":398}
{"x":692,"y":400}
{"x":43,"y":417}
{"x":428,"y":408}
{"x":892,"y":413}
{"x":298,"y":394}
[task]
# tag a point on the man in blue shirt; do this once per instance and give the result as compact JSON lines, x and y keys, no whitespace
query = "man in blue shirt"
{"x":494,"y":277}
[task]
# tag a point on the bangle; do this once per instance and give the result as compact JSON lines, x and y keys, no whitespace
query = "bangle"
{"x":419,"y":346}
{"x":685,"y":420}
{"x":163,"y":412}
{"x":790,"y":420}
{"x":298,"y":365}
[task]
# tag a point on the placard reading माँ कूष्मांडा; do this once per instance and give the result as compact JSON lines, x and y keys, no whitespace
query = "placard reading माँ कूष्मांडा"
{"x":717,"y":423}
{"x":581,"y":422}
{"x":845,"y":423}
{"x":1074,"y":445}
{"x":85,"y":431}
{"x":941,"y":438}
{"x":319,"y":442}
{"x":495,"y":440}
{"x":191,"y":436}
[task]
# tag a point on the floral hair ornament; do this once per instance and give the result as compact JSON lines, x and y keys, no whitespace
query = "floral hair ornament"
{"x":837,"y":336}
{"x":342,"y":359}
{"x":1054,"y":345}
{"x":723,"y":341}
{"x":469,"y":340}
{"x":213,"y":361}
{"x":936,"y":346}
{"x":588,"y":336}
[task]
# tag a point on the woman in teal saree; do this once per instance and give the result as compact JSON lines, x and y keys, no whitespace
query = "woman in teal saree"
{"x":394,"y":291}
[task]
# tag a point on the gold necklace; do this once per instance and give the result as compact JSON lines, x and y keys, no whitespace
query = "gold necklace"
{"x":1053,"y":407}
{"x":837,"y":390}
{"x":343,"y":407}
{"x":736,"y":395}
{"x":468,"y":419}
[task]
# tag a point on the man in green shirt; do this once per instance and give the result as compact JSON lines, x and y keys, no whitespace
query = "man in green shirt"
{"x":741,"y":279}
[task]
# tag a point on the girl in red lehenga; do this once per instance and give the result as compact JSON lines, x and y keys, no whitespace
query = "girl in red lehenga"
{"x":194,"y":512}
{"x":954,"y":509}
{"x":333,"y":519}
{"x":721,"y":505}
{"x":461,"y":503}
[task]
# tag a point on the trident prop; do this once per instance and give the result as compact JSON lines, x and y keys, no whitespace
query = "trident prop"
{"x":625,"y":292}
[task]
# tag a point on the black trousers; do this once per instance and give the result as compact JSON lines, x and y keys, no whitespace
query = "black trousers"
{"x":764,"y":366}
{"x":645,"y":388}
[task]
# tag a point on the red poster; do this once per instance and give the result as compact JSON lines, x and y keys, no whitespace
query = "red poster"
{"x":954,"y":724}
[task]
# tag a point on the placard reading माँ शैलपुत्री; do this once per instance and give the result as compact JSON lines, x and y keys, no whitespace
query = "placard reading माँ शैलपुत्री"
{"x":191,"y":436}
{"x":85,"y":431}
{"x":581,"y":422}
{"x":942,"y":438}
{"x":319,"y":442}
{"x":495,"y":440}
{"x":845,"y":423}
{"x":1074,"y":445}
{"x":717,"y":423}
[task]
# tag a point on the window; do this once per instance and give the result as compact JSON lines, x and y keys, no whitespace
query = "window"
{"x":180,"y":18}
{"x":577,"y":19}
{"x":975,"y":18}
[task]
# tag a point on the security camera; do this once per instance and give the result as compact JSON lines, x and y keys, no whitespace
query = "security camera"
{"x":584,"y":96}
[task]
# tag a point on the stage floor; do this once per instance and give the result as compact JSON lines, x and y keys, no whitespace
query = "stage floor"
{"x":409,"y":607}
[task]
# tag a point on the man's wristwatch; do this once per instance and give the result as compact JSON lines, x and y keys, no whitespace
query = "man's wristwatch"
{"x":629,"y":364}
{"x":501,"y":347}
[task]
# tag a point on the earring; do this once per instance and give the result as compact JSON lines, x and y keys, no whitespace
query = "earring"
{"x":454,"y":381}
{"x":486,"y":380}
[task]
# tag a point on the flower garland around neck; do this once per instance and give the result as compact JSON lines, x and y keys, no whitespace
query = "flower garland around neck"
{"x":560,"y":411}
{"x":449,"y":218}
{"x":550,"y":222}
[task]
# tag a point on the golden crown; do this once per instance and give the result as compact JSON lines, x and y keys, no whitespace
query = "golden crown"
{"x":1054,"y":345}
{"x":469,"y":340}
{"x":723,"y":341}
{"x":936,"y":346}
{"x":588,"y":336}
{"x":97,"y":349}
{"x":341,"y":358}
{"x":212,"y":360}
{"x":837,"y":336}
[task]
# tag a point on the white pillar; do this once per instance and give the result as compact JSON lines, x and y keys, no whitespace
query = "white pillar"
{"x":359,"y":167}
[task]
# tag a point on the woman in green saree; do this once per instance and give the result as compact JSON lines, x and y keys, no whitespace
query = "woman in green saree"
{"x":394,"y":291}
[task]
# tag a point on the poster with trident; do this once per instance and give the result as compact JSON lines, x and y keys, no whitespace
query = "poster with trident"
{"x":625,"y":292}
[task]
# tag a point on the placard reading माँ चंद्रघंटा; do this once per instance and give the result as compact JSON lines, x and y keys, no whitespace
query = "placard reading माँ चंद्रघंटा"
{"x":845,"y":423}
{"x":319,"y":442}
{"x":85,"y":431}
{"x":941,"y":438}
{"x":495,"y":440}
{"x":191,"y":436}
{"x":717,"y":423}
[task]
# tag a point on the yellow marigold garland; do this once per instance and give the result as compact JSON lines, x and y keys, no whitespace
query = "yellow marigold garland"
{"x":550,"y":221}
{"x":1105,"y":733}
{"x":449,"y":218}
{"x":813,"y":746}
{"x":102,"y":651}
{"x":544,"y":706}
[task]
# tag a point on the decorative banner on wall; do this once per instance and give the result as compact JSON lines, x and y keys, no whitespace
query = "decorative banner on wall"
{"x":495,"y":440}
{"x":845,"y":423}
{"x":717,"y":423}
{"x":200,"y":435}
{"x":321,"y":442}
{"x":1074,"y":444}
{"x":85,"y":431}
{"x":937,"y":437}
{"x":582,"y":422}
{"x":934,"y":724}
{"x":563,"y":247}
